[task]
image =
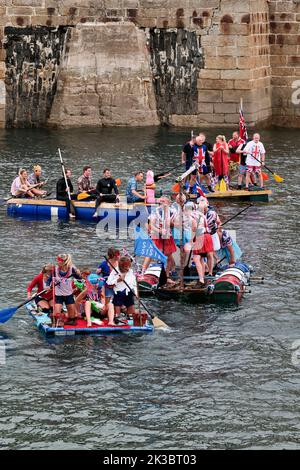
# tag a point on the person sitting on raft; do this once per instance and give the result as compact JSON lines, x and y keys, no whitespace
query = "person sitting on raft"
{"x":85,"y":184}
{"x":123,"y":296}
{"x":226,"y":242}
{"x":22,"y":188}
{"x":35,"y":177}
{"x":62,"y":191}
{"x":94,"y":293}
{"x":63,"y":285}
{"x":104,"y":190}
{"x":132,"y":193}
{"x":104,"y":269}
{"x":45,"y":300}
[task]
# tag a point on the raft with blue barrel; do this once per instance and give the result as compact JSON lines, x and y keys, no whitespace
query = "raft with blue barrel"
{"x":230,"y":285}
{"x":43,"y":323}
{"x":51,"y":209}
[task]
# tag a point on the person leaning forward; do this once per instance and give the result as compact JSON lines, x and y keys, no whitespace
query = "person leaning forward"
{"x":132,"y":193}
{"x":85,"y":184}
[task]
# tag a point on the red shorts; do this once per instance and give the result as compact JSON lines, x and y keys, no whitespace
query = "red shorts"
{"x":165,"y":245}
{"x":254,"y":169}
{"x":203,"y":244}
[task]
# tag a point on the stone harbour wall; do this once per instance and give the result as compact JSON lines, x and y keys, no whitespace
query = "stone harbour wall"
{"x":149,"y":62}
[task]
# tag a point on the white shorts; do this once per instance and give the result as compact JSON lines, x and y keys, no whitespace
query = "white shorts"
{"x":216,"y":241}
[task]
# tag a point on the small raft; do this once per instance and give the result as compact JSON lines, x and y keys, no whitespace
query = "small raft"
{"x":43,"y":323}
{"x":227,"y":287}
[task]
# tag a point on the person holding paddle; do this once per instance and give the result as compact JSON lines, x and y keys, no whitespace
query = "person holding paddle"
{"x":85,"y":184}
{"x":43,"y":301}
{"x":22,"y":188}
{"x":256,"y":153}
{"x":63,"y":185}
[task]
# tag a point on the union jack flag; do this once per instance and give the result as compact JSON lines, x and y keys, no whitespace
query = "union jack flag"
{"x":243,"y":129}
{"x":200,"y":191}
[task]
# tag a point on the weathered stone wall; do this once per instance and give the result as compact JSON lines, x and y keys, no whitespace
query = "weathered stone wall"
{"x":145,"y":62}
{"x":285,"y":61}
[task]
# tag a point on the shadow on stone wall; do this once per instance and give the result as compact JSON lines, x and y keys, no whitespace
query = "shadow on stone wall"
{"x":176,"y":58}
{"x":33,"y":57}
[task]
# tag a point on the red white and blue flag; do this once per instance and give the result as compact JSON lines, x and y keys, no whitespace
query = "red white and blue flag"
{"x":243,"y":129}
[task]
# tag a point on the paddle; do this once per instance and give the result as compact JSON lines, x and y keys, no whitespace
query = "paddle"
{"x":240,"y":212}
{"x":157,"y":323}
{"x":276,"y":177}
{"x":8,"y":312}
{"x":156,"y":177}
{"x":72,"y":208}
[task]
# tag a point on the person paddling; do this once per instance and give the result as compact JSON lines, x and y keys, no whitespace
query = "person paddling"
{"x":43,"y":301}
{"x":22,"y":188}
{"x":85,"y":184}
{"x":62,"y":191}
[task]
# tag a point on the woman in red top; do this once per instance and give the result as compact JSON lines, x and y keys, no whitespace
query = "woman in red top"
{"x":220,"y":160}
{"x":43,"y":301}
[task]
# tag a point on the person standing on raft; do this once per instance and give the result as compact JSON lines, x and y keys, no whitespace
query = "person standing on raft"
{"x":220,"y":161}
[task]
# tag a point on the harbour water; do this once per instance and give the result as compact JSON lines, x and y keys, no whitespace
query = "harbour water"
{"x":220,"y":378}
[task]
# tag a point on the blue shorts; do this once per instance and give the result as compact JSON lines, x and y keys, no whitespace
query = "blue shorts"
{"x":242,"y":169}
{"x":64,"y":299}
{"x":109,"y":292}
{"x":120,"y":298}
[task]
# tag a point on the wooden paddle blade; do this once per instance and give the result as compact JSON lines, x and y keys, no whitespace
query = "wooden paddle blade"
{"x":277,"y":178}
{"x":157,"y":323}
{"x":265,"y":176}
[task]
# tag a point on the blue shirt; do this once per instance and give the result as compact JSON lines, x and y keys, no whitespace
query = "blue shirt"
{"x":105,"y":269}
{"x":132,"y":184}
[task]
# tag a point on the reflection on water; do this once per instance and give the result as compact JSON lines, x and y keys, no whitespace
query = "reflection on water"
{"x":220,"y":378}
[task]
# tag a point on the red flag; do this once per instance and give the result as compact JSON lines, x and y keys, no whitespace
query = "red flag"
{"x":243,"y":129}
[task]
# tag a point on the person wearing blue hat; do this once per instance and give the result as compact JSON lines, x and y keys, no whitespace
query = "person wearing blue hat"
{"x":95,"y":293}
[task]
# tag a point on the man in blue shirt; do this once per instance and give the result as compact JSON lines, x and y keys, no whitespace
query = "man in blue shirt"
{"x":132,"y":193}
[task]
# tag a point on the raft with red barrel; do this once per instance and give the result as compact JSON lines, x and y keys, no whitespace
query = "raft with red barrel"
{"x":230,"y":285}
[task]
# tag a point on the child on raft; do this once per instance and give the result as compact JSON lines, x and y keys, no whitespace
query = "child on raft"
{"x":94,"y":293}
{"x":43,"y":301}
{"x":123,"y":296}
{"x":61,"y":279}
{"x":104,"y":269}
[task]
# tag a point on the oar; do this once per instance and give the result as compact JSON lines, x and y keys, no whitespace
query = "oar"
{"x":7,"y":313}
{"x":157,"y":323}
{"x":167,"y":171}
{"x":234,"y":216}
{"x":72,"y":208}
{"x":277,"y":178}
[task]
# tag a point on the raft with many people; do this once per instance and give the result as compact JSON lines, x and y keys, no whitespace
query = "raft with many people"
{"x":139,"y":324}
{"x":227,"y":286}
{"x":47,"y":209}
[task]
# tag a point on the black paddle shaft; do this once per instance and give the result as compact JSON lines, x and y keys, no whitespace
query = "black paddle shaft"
{"x":142,"y":303}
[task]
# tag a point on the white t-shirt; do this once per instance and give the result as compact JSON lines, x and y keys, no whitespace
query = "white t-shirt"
{"x":15,"y":186}
{"x":256,"y":149}
{"x":130,"y":279}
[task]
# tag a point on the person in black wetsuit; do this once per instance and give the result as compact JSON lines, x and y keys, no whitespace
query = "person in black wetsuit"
{"x":62,"y":193}
{"x":104,"y":190}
